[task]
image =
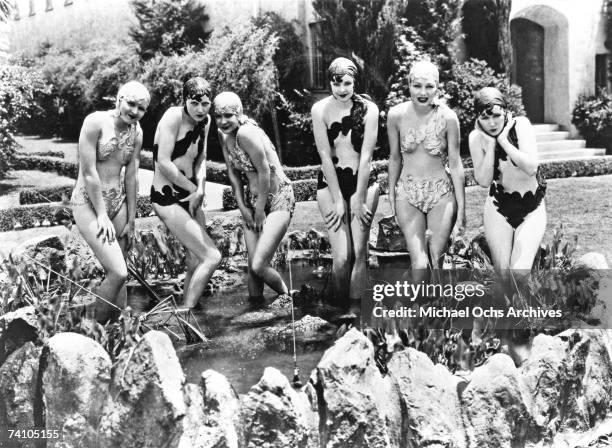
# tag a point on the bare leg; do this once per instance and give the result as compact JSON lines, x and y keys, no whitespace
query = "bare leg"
{"x":500,"y":236}
{"x":191,"y":263}
{"x":360,"y":245}
{"x":192,"y":234}
{"x":413,"y":225}
{"x":255,"y":284}
{"x":340,"y":243}
{"x":111,"y":258}
{"x":527,"y":239}
{"x":440,"y":220}
{"x":270,"y":237}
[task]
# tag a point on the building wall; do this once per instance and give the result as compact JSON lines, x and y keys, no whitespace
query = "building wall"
{"x":80,"y":23}
{"x":574,"y":34}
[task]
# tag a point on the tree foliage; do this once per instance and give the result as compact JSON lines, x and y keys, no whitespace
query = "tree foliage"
{"x":168,"y":26}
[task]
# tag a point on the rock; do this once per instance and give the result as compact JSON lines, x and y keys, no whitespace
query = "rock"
{"x":430,"y":395}
{"x":194,"y":416}
{"x":255,"y":318}
{"x":18,"y":381}
{"x":147,"y":403}
{"x":221,"y":427}
{"x":354,"y":399}
{"x":543,"y":377}
{"x":591,"y":260}
{"x":493,"y":409}
{"x":307,"y":329}
{"x":20,"y":326}
{"x":46,"y":249}
{"x":227,"y":234}
{"x":276,"y":416}
{"x":75,"y":387}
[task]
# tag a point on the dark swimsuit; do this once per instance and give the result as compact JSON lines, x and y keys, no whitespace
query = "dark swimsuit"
{"x":347,"y":179}
{"x":172,"y":194}
{"x":514,"y":206}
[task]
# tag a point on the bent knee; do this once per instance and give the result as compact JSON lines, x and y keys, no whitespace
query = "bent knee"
{"x":118,"y":273}
{"x":258,"y":266}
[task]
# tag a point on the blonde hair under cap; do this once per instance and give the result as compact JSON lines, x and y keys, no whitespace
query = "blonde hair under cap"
{"x":424,"y":68}
{"x":228,"y":103}
{"x":134,"y":90}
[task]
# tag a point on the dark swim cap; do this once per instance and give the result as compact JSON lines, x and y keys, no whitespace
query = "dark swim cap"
{"x":340,"y":67}
{"x":488,"y":97}
{"x":196,"y":88}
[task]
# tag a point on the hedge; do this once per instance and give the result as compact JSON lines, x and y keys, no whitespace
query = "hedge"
{"x":27,"y":216}
{"x":305,"y":190}
{"x":58,"y":154}
{"x":45,"y":194}
{"x":61,"y":167}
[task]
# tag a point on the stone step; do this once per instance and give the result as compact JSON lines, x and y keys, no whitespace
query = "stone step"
{"x":545,"y":127}
{"x":568,"y":154}
{"x":560,"y":145}
{"x":552,"y":136}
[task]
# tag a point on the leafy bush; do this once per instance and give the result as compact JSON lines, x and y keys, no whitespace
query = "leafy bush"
{"x":18,"y":88}
{"x":592,"y":115}
{"x":467,"y":79}
{"x":58,"y":154}
{"x":61,"y":167}
{"x":45,"y":194}
{"x":168,"y":26}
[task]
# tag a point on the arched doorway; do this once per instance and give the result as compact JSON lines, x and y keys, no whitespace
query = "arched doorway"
{"x":540,"y":65}
{"x":528,"y":54}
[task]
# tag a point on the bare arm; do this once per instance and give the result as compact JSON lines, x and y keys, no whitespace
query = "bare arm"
{"x":249,"y":139}
{"x":232,"y":175}
{"x":131,"y":177}
{"x":167,"y":133}
{"x":482,"y":150}
{"x":395,"y":157}
{"x":327,"y":166}
{"x":455,"y":165}
{"x":526,"y":157}
{"x":370,"y":135}
{"x":88,"y":140}
{"x":201,"y":162}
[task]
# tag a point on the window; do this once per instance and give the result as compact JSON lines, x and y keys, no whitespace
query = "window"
{"x":49,"y":5}
{"x":317,"y":62}
{"x":32,"y":10}
{"x":601,"y":71}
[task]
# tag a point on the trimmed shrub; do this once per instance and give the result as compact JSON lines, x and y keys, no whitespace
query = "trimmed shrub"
{"x":61,"y":167}
{"x":592,"y":115}
{"x":45,"y":194}
{"x":304,"y":190}
{"x":58,"y":154}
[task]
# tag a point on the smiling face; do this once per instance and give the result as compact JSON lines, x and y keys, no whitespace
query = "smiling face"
{"x":492,"y":120}
{"x":132,"y":108}
{"x":198,"y":107}
{"x":227,"y":122}
{"x":423,"y":89}
{"x":342,"y":87}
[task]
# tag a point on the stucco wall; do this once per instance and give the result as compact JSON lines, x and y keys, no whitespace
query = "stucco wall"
{"x":66,"y":25}
{"x":574,"y":34}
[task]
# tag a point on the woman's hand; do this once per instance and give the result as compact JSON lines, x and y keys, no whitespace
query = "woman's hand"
{"x":259,"y":217}
{"x":247,"y":215}
{"x":106,"y":230}
{"x":503,"y":135}
{"x":195,"y":200}
{"x":335,"y":217}
{"x":128,"y":231}
{"x":361,"y":211}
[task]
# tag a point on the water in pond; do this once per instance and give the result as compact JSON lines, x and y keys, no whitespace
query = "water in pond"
{"x":245,"y":339}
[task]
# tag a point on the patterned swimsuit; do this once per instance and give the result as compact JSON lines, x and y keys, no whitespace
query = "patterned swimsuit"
{"x":112,"y":193}
{"x":425,"y":193}
{"x":283,"y":199}
{"x":171,"y":193}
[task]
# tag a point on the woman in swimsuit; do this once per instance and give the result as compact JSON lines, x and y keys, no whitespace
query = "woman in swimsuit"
{"x":267,"y":203}
{"x":345,"y":127}
{"x":177,"y":192}
{"x":426,"y":179}
{"x":505,"y":161}
{"x":104,"y":207}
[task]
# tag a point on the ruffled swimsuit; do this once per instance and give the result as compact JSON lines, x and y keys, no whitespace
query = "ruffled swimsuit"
{"x":514,"y":206}
{"x":425,"y":193}
{"x":171,"y":193}
{"x":347,"y":178}
{"x":112,"y":193}
{"x":283,"y":199}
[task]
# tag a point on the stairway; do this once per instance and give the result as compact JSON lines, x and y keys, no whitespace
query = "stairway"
{"x":555,"y":144}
